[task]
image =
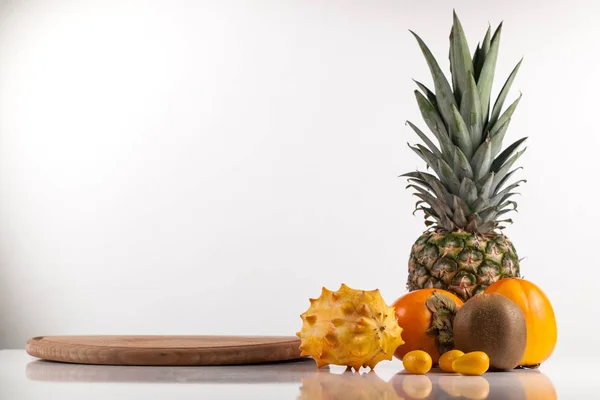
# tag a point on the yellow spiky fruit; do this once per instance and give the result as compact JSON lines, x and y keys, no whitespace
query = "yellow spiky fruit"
{"x":349,"y":327}
{"x":347,"y":386}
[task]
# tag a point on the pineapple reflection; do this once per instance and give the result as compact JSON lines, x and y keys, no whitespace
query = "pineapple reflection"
{"x":348,"y":386}
{"x":516,"y":385}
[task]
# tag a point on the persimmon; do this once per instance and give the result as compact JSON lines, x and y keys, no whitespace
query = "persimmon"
{"x":539,"y":317}
{"x":536,"y":386}
{"x":415,"y":315}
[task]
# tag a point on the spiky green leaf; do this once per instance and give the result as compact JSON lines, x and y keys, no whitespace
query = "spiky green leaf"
{"x":482,"y":160}
{"x":419,"y":181}
{"x":499,"y":198}
{"x":446,"y":223}
{"x":443,"y":195}
{"x":487,"y":227}
{"x":498,"y":138}
{"x":487,"y":41}
{"x":458,"y":202}
{"x":510,"y":187}
{"x":483,"y":50}
{"x":460,"y":133}
{"x":430,"y":95}
{"x":453,"y":74}
{"x":429,"y":211}
{"x":427,"y":156}
{"x":501,"y":173}
{"x":461,"y":64}
{"x":488,"y":214}
{"x":470,"y":110}
{"x":435,"y":123}
{"x":425,"y":140}
{"x":503,"y":93}
{"x":502,"y":212}
{"x":414,"y":174}
{"x":480,"y":204}
{"x":508,"y":221}
{"x":439,"y":207}
{"x":459,"y":217}
{"x":436,"y":186}
{"x":462,"y":167}
{"x":477,"y":60}
{"x":507,"y":204}
{"x":468,"y":191}
{"x":506,"y":154}
{"x":486,"y":187}
{"x":447,"y":176}
{"x":430,"y":179}
{"x":425,"y":194}
{"x":505,"y":117}
{"x":496,"y":188}
{"x":486,"y":78}
{"x":472,"y":225}
{"x":443,"y":91}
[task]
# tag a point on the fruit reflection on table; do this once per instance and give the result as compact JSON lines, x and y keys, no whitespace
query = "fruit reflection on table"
{"x":517,"y":385}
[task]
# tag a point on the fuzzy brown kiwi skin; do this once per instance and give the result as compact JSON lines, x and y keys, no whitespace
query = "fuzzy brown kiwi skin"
{"x":495,"y":325}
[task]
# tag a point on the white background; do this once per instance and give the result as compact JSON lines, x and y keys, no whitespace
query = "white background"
{"x":204,"y":167}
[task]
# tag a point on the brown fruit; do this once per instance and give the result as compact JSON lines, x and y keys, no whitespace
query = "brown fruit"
{"x":495,"y":325}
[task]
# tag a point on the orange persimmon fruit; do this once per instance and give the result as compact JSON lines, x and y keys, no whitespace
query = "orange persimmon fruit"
{"x":415,"y":319}
{"x":539,"y":317}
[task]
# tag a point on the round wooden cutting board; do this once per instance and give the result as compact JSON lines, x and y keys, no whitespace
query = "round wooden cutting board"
{"x":164,"y":350}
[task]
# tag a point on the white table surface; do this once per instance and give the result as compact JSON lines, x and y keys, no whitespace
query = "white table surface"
{"x":24,"y":377}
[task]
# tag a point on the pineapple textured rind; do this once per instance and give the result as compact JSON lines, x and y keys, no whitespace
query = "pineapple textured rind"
{"x":460,"y":262}
{"x":349,"y":327}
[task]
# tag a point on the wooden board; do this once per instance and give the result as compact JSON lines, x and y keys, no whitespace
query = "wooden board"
{"x":164,"y":350}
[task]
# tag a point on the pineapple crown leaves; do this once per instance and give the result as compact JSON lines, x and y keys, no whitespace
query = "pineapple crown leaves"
{"x":468,"y":187}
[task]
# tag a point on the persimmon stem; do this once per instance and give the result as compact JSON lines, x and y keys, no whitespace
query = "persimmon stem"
{"x":443,"y":309}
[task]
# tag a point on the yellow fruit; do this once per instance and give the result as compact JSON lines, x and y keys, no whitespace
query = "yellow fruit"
{"x":474,"y":363}
{"x":448,"y":358}
{"x":417,"y":386}
{"x":347,"y":386}
{"x":349,"y":327}
{"x":417,"y":362}
{"x":448,"y":384}
{"x":474,"y":387}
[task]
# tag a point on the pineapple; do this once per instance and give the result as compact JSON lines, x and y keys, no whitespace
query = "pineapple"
{"x":468,"y":192}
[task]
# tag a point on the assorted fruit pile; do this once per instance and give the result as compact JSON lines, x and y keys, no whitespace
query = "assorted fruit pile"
{"x":512,"y":324}
{"x":467,"y":309}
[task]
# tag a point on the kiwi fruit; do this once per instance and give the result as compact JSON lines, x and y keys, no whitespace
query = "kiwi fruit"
{"x":495,"y":325}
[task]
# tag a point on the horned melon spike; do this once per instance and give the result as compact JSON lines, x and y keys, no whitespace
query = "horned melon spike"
{"x":349,"y":327}
{"x":347,"y":386}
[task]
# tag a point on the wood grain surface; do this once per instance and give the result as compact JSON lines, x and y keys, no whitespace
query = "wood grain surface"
{"x":164,"y":350}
